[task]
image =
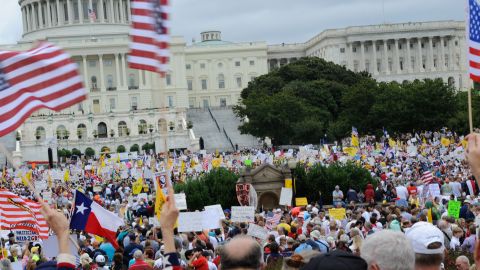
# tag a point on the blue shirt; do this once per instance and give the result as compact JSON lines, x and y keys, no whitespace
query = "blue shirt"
{"x":302,"y":247}
{"x":109,"y":249}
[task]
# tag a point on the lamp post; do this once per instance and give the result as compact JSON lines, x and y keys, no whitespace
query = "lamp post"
{"x":292,"y":164}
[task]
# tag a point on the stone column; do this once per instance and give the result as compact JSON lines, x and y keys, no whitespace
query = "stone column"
{"x":385,"y":55}
{"x":101,"y":12}
{"x":29,"y":26}
{"x":396,"y":59}
{"x":24,"y":19}
{"x":121,"y":13}
{"x":362,"y":55}
{"x":420,"y":58}
{"x":34,"y":18}
{"x":430,"y":54}
{"x":70,"y":12}
{"x":112,"y":13}
{"x":117,"y":69}
{"x":442,"y":52}
{"x":85,"y":72}
{"x":451,"y":56}
{"x":409,"y":57}
{"x":349,"y":56}
{"x":49,"y":14}
{"x":140,"y":79}
{"x":80,"y":11}
{"x":124,"y":70}
{"x":129,"y":10}
{"x":102,"y":77}
{"x":374,"y":60}
{"x":59,"y":16}
{"x":40,"y":15}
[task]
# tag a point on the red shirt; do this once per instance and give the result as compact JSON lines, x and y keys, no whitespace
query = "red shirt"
{"x":412,"y":190}
{"x":200,"y":263}
{"x":140,"y":265}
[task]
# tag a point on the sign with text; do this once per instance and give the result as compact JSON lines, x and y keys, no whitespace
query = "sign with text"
{"x":257,"y":231}
{"x":243,"y":214}
{"x":454,"y":208}
{"x":301,"y":201}
{"x":181,"y":201}
{"x":337,"y":213}
{"x":218,"y":209}
{"x":286,"y":197}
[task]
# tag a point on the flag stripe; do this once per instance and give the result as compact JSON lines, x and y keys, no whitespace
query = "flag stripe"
{"x":473,"y":29}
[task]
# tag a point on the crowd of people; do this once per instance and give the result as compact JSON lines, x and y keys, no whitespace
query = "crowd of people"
{"x":399,"y":222}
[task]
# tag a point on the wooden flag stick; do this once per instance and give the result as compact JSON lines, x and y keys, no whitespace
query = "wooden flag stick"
{"x":470,"y":120}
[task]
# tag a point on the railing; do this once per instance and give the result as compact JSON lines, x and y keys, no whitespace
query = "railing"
{"x":229,"y":140}
{"x":214,"y":120}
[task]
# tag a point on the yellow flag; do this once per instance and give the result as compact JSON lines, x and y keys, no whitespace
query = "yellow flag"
{"x":445,"y":142}
{"x":66,"y":176}
{"x":429,"y":216}
{"x":355,"y":141}
{"x":351,"y":151}
{"x":391,"y":143}
{"x":140,"y":222}
{"x":424,"y":141}
{"x":216,"y":162}
{"x":25,"y":181}
{"x":464,"y":144}
{"x":182,"y":170}
{"x":137,"y":186}
{"x":159,"y":200}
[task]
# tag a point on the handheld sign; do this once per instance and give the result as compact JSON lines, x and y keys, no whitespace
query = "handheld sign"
{"x":243,"y":214}
{"x":454,"y":208}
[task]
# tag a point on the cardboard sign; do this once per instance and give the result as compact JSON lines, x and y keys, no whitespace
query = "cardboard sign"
{"x":454,"y":208}
{"x":198,"y":221}
{"x":181,"y":201}
{"x":337,"y":213}
{"x":22,"y":236}
{"x":218,"y":210}
{"x":243,"y":214}
{"x":286,"y":197}
{"x":301,"y":201}
{"x":51,"y":249}
{"x":257,"y":231}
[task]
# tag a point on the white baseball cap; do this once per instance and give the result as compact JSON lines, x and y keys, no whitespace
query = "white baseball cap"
{"x":422,"y":234}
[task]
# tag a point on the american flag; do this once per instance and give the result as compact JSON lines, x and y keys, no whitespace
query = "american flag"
{"x":43,"y":77}
{"x":149,"y":35}
{"x":92,"y":15}
{"x":474,"y":40}
{"x":427,"y":177}
{"x":21,"y":214}
{"x":271,"y":221}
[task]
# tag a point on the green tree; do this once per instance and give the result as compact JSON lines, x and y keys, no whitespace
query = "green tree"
{"x":68,"y":153}
{"x":61,"y":153}
{"x":216,"y":186}
{"x":146,"y":147}
{"x":89,"y":152}
{"x":134,"y":148}
{"x":76,"y":152}
{"x":121,"y":149}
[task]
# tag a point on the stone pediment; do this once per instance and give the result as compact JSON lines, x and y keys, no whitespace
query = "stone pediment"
{"x":267,"y":174}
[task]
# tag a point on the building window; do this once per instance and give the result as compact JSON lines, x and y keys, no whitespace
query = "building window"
{"x":223,"y":102}
{"x":390,"y":65}
{"x":113,"y":104}
{"x":456,"y":42}
{"x":92,"y":63}
{"x":379,"y":66}
{"x":110,"y":86}
{"x":411,"y":45}
{"x":446,"y":60}
{"x":170,"y":101}
{"x":342,"y":50}
{"x":239,"y":82}
{"x":93,"y":81}
{"x":220,"y":65}
{"x":80,"y":107}
{"x":188,"y":66}
{"x":423,"y":45}
{"x":133,"y":103}
{"x":237,"y":63}
{"x":191,"y":103}
{"x":168,"y":79}
{"x":96,"y":106}
{"x":205,"y":103}
{"x":252,"y":63}
{"x":102,"y":130}
{"x":367,"y":66}
{"x":190,"y":84}
{"x":401,"y":63}
{"x":122,"y":129}
{"x":142,"y":127}
{"x":108,"y":63}
{"x":202,"y":65}
{"x":412,"y":60}
{"x":399,"y":46}
{"x":221,"y":81}
{"x":388,"y":47}
{"x":378,"y":48}
{"x":435,"y":62}
{"x":131,"y":82}
{"x":204,"y":84}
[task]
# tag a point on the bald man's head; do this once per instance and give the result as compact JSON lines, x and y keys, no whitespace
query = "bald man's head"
{"x":242,"y":252}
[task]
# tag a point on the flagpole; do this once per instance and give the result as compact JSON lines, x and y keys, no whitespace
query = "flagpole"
{"x":470,"y":120}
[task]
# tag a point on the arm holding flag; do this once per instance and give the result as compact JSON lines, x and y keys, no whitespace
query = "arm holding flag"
{"x":168,"y":219}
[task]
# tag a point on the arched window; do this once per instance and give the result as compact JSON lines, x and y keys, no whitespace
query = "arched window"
{"x":221,"y":81}
{"x":82,"y":131}
{"x":162,"y":125}
{"x":102,"y":130}
{"x":93,"y":80}
{"x":451,"y":81}
{"x":40,"y":133}
{"x":142,"y":127}
{"x":122,"y":129}
{"x":62,"y":132}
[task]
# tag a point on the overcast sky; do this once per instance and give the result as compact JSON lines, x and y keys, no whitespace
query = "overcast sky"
{"x":274,"y":21}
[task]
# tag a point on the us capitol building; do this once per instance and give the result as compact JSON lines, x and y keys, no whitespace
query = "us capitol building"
{"x":131,"y":107}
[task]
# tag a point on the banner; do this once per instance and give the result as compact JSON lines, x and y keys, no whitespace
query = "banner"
{"x":337,"y":213}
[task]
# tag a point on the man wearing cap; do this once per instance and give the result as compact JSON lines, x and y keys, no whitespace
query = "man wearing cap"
{"x":316,"y":238}
{"x":428,"y":245}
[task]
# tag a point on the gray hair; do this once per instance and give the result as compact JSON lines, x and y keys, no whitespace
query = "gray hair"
{"x":389,"y":250}
{"x":5,"y":264}
{"x":464,"y":259}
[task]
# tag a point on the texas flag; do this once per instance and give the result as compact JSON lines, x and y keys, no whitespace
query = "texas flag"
{"x":90,"y":217}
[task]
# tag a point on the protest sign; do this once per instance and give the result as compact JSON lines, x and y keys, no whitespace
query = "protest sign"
{"x":257,"y":231}
{"x":243,"y":214}
{"x":454,"y":208}
{"x":218,"y":210}
{"x":22,"y":236}
{"x":288,"y":183}
{"x":301,"y":201}
{"x":286,"y":197}
{"x":181,"y":201}
{"x":337,"y":213}
{"x":97,"y":189}
{"x":51,"y":249}
{"x":211,"y":219}
{"x":190,"y":222}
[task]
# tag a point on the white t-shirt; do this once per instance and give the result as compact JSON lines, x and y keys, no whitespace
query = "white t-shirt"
{"x":456,"y":188}
{"x":402,"y":192}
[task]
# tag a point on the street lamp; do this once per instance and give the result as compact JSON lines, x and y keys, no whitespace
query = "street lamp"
{"x":292,"y":164}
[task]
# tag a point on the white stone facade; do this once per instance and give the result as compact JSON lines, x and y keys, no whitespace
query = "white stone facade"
{"x":211,"y":72}
{"x":390,"y":52}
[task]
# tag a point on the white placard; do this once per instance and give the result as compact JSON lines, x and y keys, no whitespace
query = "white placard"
{"x":181,"y":201}
{"x":51,"y":249}
{"x":17,"y":265}
{"x":434,"y":190}
{"x":243,"y":214}
{"x":286,"y":197}
{"x":218,"y":209}
{"x":97,"y":189}
{"x":190,"y":221}
{"x":211,"y":219}
{"x":257,"y":231}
